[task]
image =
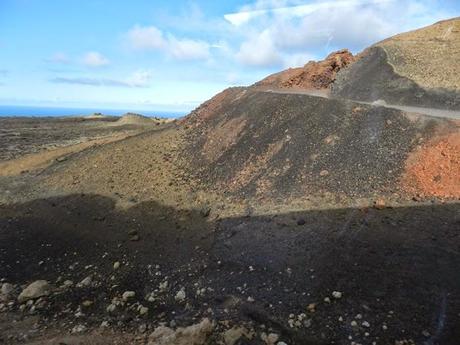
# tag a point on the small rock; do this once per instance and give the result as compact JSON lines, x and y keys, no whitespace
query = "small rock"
{"x":233,"y":335}
{"x":251,"y":299}
{"x":337,"y":294}
{"x":135,"y":238}
{"x":324,"y":173}
{"x":35,"y":290}
{"x":128,"y":294}
{"x":85,"y":282}
{"x":354,"y":323}
{"x":7,"y":289}
{"x":116,"y":265}
{"x":142,"y":328}
{"x":111,"y":308}
{"x":311,"y":307}
{"x":193,"y":335}
{"x":205,"y":211}
{"x":67,"y":283}
{"x":379,"y":204}
{"x":87,"y":303}
{"x":104,"y":324}
{"x":143,"y":311}
{"x":327,"y":300}
{"x":61,"y":159}
{"x":78,"y":329}
{"x":301,"y":221}
{"x":426,"y":334}
{"x":366,"y":324}
{"x":180,"y":295}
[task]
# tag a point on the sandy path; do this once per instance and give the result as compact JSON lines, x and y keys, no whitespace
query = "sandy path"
{"x":43,"y":159}
{"x":450,"y":114}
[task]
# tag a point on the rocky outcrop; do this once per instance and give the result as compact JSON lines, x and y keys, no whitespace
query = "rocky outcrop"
{"x":314,"y":75}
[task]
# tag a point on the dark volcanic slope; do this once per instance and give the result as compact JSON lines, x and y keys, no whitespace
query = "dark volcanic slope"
{"x":373,"y":78}
{"x":260,"y":144}
{"x":418,"y":68}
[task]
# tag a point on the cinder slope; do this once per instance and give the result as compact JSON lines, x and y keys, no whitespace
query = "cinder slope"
{"x":418,"y":68}
{"x":262,"y":144}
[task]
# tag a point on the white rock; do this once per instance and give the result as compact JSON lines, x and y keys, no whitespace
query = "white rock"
{"x":353,"y":323}
{"x":281,"y":343}
{"x":327,"y":300}
{"x":337,"y":294}
{"x":85,"y":282}
{"x":180,"y":295}
{"x":251,"y":299}
{"x":193,"y":335}
{"x":7,"y":289}
{"x":111,"y":308}
{"x":143,"y":310}
{"x":67,"y":283}
{"x":78,"y":329}
{"x":127,"y":295}
{"x":104,"y":324}
{"x":366,"y":324}
{"x":35,"y":290}
{"x":163,"y":286}
{"x":116,"y":265}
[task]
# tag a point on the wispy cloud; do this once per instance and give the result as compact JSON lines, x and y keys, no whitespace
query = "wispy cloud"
{"x":139,"y":78}
{"x":95,"y":59}
{"x":279,"y":32}
{"x":145,"y":38}
{"x":59,"y":58}
{"x":150,"y":38}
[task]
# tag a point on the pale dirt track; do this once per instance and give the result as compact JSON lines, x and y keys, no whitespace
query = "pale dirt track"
{"x":448,"y":114}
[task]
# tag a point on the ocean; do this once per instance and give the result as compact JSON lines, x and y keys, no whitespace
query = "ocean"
{"x":14,"y":110}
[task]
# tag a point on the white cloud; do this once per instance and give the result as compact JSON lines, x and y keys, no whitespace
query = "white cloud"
{"x":186,"y":49}
{"x":145,"y":38}
{"x":139,"y":79}
{"x":151,"y":38}
{"x":276,"y":8}
{"x":259,"y":50}
{"x":95,"y":59}
{"x":279,"y":32}
{"x":59,"y":57}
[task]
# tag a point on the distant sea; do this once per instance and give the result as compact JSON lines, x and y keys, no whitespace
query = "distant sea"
{"x":13,"y":110}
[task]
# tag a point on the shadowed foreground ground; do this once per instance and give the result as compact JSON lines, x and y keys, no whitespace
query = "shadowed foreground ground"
{"x":397,"y":268}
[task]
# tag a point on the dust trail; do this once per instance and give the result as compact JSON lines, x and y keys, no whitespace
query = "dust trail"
{"x":441,"y":321}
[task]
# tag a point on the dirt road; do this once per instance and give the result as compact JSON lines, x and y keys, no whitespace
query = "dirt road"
{"x":449,"y":114}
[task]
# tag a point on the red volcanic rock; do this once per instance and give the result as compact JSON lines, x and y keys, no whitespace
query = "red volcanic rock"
{"x":314,"y":75}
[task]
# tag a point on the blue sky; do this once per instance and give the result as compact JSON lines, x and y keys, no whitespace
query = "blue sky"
{"x":173,"y":55}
